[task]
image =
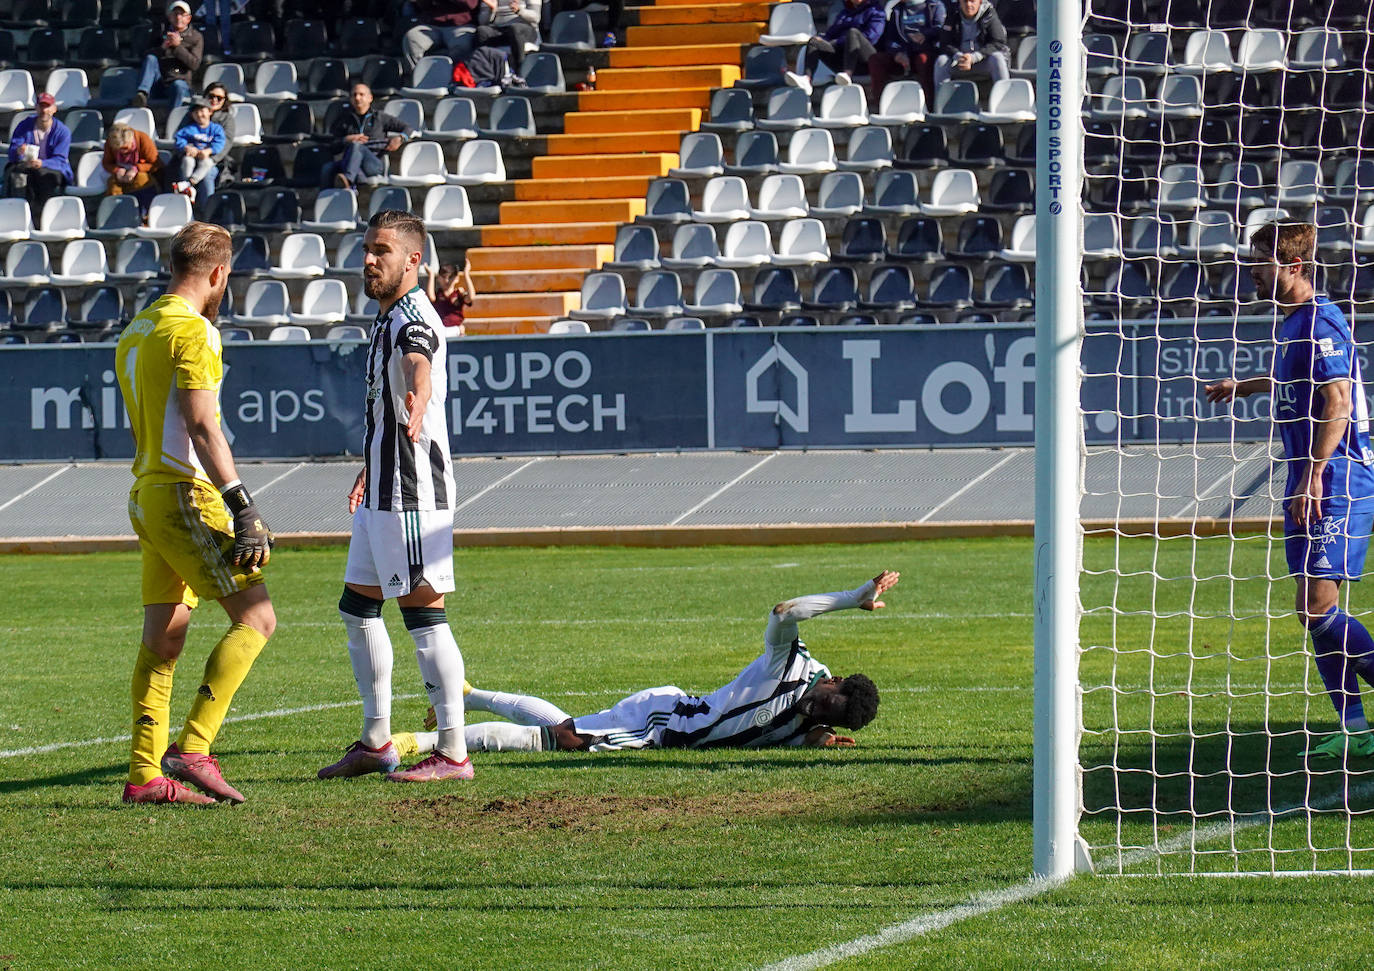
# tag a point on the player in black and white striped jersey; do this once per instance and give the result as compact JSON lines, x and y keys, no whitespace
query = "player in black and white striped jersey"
{"x":402,"y":506}
{"x":784,"y":697}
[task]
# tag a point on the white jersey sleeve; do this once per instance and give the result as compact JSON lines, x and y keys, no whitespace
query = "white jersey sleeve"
{"x":782,"y":629}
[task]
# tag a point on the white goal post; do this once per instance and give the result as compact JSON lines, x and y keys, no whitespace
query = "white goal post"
{"x":1058,"y":436}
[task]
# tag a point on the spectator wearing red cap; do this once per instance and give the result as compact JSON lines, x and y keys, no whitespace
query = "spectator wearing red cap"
{"x":38,"y":166}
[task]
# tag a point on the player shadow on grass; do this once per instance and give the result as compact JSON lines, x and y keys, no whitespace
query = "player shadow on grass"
{"x":1214,"y":772}
{"x":103,"y":776}
{"x":722,"y":763}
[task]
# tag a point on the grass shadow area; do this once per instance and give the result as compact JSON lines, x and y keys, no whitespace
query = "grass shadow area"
{"x":1234,"y":795}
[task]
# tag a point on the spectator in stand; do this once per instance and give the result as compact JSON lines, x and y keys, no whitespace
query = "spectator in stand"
{"x":848,"y":42}
{"x":974,"y":44}
{"x":512,"y":24}
{"x":909,"y":46}
{"x":614,"y":10}
{"x":167,"y":68}
{"x":38,"y":166}
{"x":217,"y":14}
{"x":362,"y":136}
{"x":131,"y":159}
{"x":196,"y":144}
{"x":222,"y":114}
{"x":450,"y":289}
{"x":451,"y":24}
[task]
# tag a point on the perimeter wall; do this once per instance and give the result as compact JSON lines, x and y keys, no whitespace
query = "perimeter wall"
{"x":800,"y":388}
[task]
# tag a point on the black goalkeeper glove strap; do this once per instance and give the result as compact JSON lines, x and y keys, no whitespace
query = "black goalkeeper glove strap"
{"x":238,"y":500}
{"x":252,"y":540}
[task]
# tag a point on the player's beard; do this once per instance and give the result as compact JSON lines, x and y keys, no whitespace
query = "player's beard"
{"x":381,"y":287}
{"x":212,"y":301}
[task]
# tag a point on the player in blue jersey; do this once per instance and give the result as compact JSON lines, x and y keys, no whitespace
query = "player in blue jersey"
{"x":1328,"y":507}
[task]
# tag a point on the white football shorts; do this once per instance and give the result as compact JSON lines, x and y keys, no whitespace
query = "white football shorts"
{"x":637,"y":721}
{"x":398,"y":550}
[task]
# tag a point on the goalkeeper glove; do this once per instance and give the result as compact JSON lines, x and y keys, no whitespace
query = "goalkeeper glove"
{"x":252,"y":540}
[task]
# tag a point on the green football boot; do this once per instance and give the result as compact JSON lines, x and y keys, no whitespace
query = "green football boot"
{"x":1340,"y":745}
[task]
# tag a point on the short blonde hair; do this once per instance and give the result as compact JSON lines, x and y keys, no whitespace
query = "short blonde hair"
{"x":119,"y":135}
{"x":200,"y":247}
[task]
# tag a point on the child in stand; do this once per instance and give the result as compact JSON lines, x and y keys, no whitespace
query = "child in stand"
{"x":450,"y":289}
{"x":198,"y":142}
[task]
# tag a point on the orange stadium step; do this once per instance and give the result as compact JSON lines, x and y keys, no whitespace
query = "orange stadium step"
{"x":688,"y":55}
{"x":486,"y":326}
{"x":690,"y":3}
{"x":549,"y":234}
{"x":618,"y":122}
{"x":556,"y":303}
{"x":648,"y":141}
{"x":720,"y":13}
{"x":692,"y":76}
{"x":657,"y":37}
{"x":528,"y":281}
{"x":571,"y":211}
{"x":490,"y":259}
{"x":616,"y":187}
{"x":643,"y":100}
{"x":652,"y":164}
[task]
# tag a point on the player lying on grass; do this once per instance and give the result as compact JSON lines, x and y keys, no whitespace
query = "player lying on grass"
{"x":784,"y":697}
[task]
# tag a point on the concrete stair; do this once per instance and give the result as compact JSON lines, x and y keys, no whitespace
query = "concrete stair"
{"x":558,"y":224}
{"x":615,"y":187}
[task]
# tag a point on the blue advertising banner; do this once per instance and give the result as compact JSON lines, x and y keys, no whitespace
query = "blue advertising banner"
{"x":795,"y":388}
{"x":600,"y":394}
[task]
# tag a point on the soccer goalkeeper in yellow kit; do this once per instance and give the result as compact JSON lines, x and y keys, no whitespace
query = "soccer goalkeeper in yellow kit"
{"x":198,"y":530}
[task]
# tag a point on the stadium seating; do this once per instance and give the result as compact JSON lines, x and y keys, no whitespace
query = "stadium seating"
{"x":636,"y":248}
{"x":734,"y":175}
{"x":83,"y":263}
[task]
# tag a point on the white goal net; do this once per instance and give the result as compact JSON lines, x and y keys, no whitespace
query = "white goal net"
{"x":1199,"y":693}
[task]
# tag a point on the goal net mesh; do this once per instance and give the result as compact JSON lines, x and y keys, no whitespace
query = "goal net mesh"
{"x":1203,"y":120}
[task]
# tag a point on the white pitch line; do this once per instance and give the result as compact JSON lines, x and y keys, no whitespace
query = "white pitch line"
{"x":327,"y":706}
{"x":979,"y":904}
{"x":256,"y":716}
{"x":461,"y":623}
{"x":989,"y":901}
{"x":715,"y":495}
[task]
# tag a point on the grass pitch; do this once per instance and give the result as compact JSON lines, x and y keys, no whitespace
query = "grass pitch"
{"x":655,"y":860}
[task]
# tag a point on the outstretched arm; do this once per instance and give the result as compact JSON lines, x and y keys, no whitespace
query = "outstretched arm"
{"x":782,"y":622}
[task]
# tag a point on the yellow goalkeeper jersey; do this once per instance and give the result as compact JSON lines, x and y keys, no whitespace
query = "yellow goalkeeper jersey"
{"x":166,"y":347}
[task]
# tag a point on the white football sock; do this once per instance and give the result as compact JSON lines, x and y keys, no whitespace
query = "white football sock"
{"x":490,"y":737}
{"x":505,"y":737}
{"x":441,"y":665}
{"x":369,"y":651}
{"x":521,"y":709}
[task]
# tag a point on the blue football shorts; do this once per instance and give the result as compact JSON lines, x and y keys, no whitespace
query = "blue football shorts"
{"x":1334,"y":547}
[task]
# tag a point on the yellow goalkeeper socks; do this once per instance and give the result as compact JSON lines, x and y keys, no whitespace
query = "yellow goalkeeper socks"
{"x":225,"y":670}
{"x":152,"y":697}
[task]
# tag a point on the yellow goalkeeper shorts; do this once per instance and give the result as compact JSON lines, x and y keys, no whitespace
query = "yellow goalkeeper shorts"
{"x":185,"y":533}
